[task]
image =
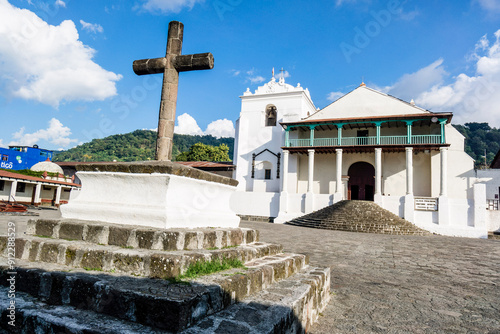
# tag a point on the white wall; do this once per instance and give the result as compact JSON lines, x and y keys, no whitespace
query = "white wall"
{"x":490,"y":177}
{"x":255,"y":204}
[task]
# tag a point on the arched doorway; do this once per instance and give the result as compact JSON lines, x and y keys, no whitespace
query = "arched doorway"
{"x":361,"y":181}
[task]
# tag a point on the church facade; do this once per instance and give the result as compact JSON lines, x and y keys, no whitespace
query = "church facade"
{"x":292,"y":159}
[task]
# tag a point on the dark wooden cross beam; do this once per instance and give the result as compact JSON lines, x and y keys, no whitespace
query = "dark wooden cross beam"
{"x":170,"y":65}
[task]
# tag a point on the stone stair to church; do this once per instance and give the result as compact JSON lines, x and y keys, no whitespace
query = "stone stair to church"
{"x":358,"y":216}
{"x":81,"y":277}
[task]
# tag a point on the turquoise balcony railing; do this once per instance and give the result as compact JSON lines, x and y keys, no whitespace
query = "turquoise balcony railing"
{"x":366,"y":141}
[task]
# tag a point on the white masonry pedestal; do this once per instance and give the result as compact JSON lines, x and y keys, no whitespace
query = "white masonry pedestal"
{"x":155,"y":194}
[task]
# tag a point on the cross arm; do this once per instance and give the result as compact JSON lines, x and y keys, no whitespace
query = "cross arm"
{"x":182,"y":63}
{"x":195,"y":62}
{"x":150,"y":66}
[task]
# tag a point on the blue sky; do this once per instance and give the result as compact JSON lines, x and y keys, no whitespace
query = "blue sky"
{"x":66,"y":66}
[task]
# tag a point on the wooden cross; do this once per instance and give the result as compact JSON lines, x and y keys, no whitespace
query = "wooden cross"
{"x":170,"y":66}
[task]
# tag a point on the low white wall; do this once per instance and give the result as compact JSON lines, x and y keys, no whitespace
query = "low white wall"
{"x":394,"y":204}
{"x":461,"y":212}
{"x":493,"y":220}
{"x":430,"y":217}
{"x":322,"y":200}
{"x":297,"y":203}
{"x":255,"y":204}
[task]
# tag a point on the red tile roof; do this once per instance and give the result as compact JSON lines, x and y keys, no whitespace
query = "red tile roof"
{"x":11,"y":175}
{"x":194,"y":164}
{"x":206,"y":164}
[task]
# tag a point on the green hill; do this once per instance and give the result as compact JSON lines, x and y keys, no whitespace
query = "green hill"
{"x":480,"y":138}
{"x":135,"y":146}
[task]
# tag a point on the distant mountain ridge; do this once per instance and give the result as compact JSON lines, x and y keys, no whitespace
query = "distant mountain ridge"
{"x":135,"y":146}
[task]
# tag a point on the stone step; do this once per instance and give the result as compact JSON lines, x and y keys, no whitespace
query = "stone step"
{"x":363,"y":228}
{"x":141,"y":237}
{"x":358,"y":216}
{"x":139,"y":262}
{"x":33,"y":316}
{"x":356,"y":226}
{"x":289,"y":306}
{"x":494,"y":235}
{"x":152,"y":302}
{"x":380,"y":224}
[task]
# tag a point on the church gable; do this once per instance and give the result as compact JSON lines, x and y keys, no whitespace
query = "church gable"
{"x":364,"y":102}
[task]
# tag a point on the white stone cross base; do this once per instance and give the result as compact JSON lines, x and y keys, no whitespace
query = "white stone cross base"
{"x":154,"y":200}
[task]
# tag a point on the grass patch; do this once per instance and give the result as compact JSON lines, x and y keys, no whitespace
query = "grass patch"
{"x":236,"y":273}
{"x":42,"y":236}
{"x":92,"y":269}
{"x":202,"y":268}
{"x":127,"y":247}
{"x":225,"y":247}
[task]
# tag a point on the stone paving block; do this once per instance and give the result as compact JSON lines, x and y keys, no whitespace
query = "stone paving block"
{"x":97,"y":234}
{"x":46,"y":229}
{"x":119,"y":236}
{"x":72,"y":231}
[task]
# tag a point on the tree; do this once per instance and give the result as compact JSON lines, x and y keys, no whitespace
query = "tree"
{"x":202,"y":152}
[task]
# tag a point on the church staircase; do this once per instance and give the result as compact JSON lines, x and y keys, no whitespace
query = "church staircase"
{"x":358,"y":216}
{"x":84,"y":277}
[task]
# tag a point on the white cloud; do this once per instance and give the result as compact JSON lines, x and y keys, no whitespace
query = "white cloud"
{"x":187,"y":125}
{"x":47,"y":63}
{"x":471,"y":98}
{"x":220,"y":128}
{"x":407,"y":16}
{"x":168,"y":6}
{"x":60,"y":3}
{"x":235,"y":72}
{"x":1,"y":142}
{"x":91,"y":27}
{"x":285,"y":74}
{"x":409,"y":86}
{"x":256,"y":79}
{"x":490,"y":5}
{"x":56,"y":134}
{"x":339,"y":3}
{"x":333,"y":96}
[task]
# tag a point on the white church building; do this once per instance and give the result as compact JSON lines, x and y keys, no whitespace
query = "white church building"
{"x":292,"y":159}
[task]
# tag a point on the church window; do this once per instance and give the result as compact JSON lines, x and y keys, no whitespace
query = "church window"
{"x":267,"y":175}
{"x":271,"y":116}
{"x":5,"y":157}
{"x":21,"y":187}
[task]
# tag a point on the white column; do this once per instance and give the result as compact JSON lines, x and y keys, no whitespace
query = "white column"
{"x":310,"y":171}
{"x":309,"y":200}
{"x":378,"y":171}
{"x":13,"y":187}
{"x":38,"y":192}
{"x":377,"y":198}
{"x":338,"y":196}
{"x":409,"y":170}
{"x":58,"y":195}
{"x":409,"y":206}
{"x":338,"y":178}
{"x":444,"y":172}
{"x":284,"y":186}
